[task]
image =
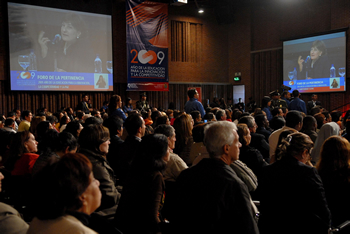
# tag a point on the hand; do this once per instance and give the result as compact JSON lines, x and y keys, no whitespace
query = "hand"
{"x":300,"y":62}
{"x":60,"y":70}
{"x":43,"y":43}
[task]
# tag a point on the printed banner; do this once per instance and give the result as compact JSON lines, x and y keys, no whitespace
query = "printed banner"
{"x":147,"y":45}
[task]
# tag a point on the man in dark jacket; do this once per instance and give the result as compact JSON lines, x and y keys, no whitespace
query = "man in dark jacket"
{"x":210,"y":196}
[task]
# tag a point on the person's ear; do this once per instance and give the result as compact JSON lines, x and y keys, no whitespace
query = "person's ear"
{"x":66,"y":150}
{"x":226,"y":148}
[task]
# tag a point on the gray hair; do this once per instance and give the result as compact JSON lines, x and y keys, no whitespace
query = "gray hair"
{"x":217,"y":135}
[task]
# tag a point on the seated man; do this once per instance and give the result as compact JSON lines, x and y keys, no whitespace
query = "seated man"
{"x":210,"y":196}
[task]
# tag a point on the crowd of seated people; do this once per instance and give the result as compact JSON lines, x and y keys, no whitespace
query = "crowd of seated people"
{"x":158,"y":171}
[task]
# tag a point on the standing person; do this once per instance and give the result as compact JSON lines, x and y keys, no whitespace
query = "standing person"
{"x":115,"y":107}
{"x":203,"y":210}
{"x":297,"y":103}
{"x":142,"y":105}
{"x":312,"y":103}
{"x":143,"y":192}
{"x":283,"y":187}
{"x":83,"y":105}
{"x":240,"y":105}
{"x":193,"y":104}
{"x":286,"y":97}
{"x":265,"y":106}
{"x":27,"y":117}
{"x":277,"y":101}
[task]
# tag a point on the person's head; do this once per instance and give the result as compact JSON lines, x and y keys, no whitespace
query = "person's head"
{"x":27,"y":115}
{"x":73,"y":28}
{"x":11,"y":115}
{"x":183,"y":126}
{"x":128,"y":101}
{"x":64,"y":120}
{"x":261,"y":120}
{"x":286,"y":94}
{"x":152,"y":155}
{"x":74,"y":128}
{"x":115,"y":125}
{"x":220,"y":115}
{"x":192,"y":93}
{"x":297,"y":145}
{"x":265,"y":102}
{"x":314,"y":97}
{"x":18,"y":113}
{"x":69,"y":111}
{"x":315,"y":110}
{"x":162,"y":120}
{"x":80,"y":115}
{"x":143,"y":97}
{"x":244,"y":134}
{"x":228,"y":113}
{"x":277,"y":112}
{"x":42,"y":129}
{"x":198,"y":132}
{"x":321,"y":119}
{"x":221,"y":141}
{"x":275,"y":95}
{"x":135,"y":125}
{"x":318,"y":48}
{"x":296,"y":93}
{"x":114,"y":103}
{"x":155,"y":114}
{"x":277,"y":122}
{"x":236,"y":114}
{"x":250,"y":122}
{"x":85,"y":97}
{"x":66,"y":143}
{"x":294,"y":120}
{"x":309,"y":123}
{"x":96,"y":113}
{"x":24,"y":142}
{"x":328,"y":116}
{"x":336,"y":116}
{"x":334,"y":82}
{"x":209,"y":116}
{"x":169,"y":132}
{"x":335,"y":155}
{"x":10,"y":123}
{"x":95,"y":138}
{"x":92,"y":120}
{"x":67,"y":185}
{"x":196,"y":116}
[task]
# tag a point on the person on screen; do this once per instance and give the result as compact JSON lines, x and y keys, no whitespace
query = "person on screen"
{"x":101,"y":83}
{"x":71,"y":52}
{"x":318,"y":65}
{"x":335,"y":84}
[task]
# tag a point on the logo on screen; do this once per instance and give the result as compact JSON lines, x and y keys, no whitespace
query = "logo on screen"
{"x":25,"y":75}
{"x":132,"y":86}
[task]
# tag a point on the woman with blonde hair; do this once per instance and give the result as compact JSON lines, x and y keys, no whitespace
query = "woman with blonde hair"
{"x":183,"y":129}
{"x":334,"y":169}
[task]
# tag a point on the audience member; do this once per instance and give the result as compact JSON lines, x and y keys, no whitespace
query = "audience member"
{"x":312,"y":103}
{"x":94,"y":143}
{"x":282,"y":185}
{"x":227,"y":201}
{"x":183,"y":128}
{"x":263,"y":124}
{"x":115,"y":107}
{"x":143,"y":192}
{"x":294,"y":122}
{"x":334,"y":170}
{"x":27,"y":118}
{"x":327,"y":130}
{"x":297,"y":103}
{"x":309,"y":127}
{"x":74,"y":128}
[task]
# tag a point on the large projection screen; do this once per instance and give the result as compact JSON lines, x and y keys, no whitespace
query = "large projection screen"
{"x":315,"y":64}
{"x":59,"y":50}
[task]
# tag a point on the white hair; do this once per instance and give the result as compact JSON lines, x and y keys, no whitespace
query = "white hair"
{"x":217,"y":135}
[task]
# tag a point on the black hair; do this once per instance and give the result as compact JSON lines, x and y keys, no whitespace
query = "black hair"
{"x":93,"y":120}
{"x":161,"y":120}
{"x":72,"y":127}
{"x":114,"y":124}
{"x":66,"y":139}
{"x":275,"y":111}
{"x":309,"y":122}
{"x":191,"y":93}
{"x":195,"y":115}
{"x":293,"y":118}
{"x":11,"y":114}
{"x":260,"y":120}
{"x":9,"y":122}
{"x":25,"y":113}
{"x":295,"y":93}
{"x":132,"y":124}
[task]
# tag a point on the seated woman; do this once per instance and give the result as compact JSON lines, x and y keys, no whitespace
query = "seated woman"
{"x":63,"y":123}
{"x":334,"y":169}
{"x":115,"y":107}
{"x":64,"y":195}
{"x":74,"y":128}
{"x":183,"y":128}
{"x":143,"y":193}
{"x":94,"y":144}
{"x":292,"y":198}
{"x":249,"y":155}
{"x":22,"y":154}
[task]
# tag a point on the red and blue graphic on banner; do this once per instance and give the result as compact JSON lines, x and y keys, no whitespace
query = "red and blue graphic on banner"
{"x":147,"y":45}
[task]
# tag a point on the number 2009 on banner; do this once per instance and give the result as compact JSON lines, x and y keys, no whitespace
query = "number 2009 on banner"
{"x":150,"y":56}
